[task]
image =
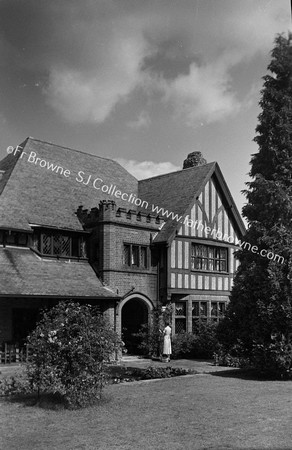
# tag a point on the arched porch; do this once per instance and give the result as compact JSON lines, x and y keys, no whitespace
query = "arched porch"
{"x":132,"y":312}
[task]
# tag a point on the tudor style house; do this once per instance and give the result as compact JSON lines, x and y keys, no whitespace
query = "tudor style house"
{"x":78,"y":226}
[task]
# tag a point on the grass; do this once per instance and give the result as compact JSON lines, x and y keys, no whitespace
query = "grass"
{"x":204,"y":411}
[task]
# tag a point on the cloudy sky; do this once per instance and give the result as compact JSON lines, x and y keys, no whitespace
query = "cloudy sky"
{"x":142,"y":81}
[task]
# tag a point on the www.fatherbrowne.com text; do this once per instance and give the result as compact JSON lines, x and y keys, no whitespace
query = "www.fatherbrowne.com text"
{"x":97,"y":183}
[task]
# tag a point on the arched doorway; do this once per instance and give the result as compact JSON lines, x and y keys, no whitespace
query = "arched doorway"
{"x":135,"y":313}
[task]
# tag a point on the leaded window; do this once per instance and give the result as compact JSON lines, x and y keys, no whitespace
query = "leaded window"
{"x":180,"y":317}
{"x":58,"y":244}
{"x":13,"y":238}
{"x":217,"y":310}
{"x":199,"y":313}
{"x":209,"y":258}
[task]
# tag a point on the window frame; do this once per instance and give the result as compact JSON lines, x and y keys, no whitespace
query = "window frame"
{"x":136,"y":260}
{"x":208,"y":317}
{"x":53,"y":244}
{"x":210,"y":259}
{"x":5,"y":234}
{"x":180,"y":318}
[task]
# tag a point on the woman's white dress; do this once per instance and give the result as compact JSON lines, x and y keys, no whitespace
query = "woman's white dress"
{"x":167,"y":341}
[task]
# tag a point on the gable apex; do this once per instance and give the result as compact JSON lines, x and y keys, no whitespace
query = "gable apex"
{"x":213,"y":208}
{"x":178,"y":191}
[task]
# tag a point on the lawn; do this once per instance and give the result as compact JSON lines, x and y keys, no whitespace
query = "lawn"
{"x":204,"y":411}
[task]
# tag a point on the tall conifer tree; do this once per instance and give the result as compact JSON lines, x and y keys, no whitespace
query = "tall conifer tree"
{"x":258,"y":323}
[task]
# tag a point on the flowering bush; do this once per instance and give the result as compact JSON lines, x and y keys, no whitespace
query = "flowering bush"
{"x":70,"y":348}
{"x":14,"y":385}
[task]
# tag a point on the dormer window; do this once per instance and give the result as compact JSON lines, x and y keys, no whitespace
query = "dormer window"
{"x":59,"y":244}
{"x":13,"y":238}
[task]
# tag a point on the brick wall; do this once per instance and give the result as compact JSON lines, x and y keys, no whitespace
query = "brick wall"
{"x":112,"y":228}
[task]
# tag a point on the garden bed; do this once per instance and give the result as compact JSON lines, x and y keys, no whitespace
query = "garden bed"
{"x":120,"y":374}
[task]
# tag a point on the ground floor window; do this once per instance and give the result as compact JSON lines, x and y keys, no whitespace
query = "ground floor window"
{"x":217,"y":310}
{"x":202,"y":311}
{"x":180,"y":317}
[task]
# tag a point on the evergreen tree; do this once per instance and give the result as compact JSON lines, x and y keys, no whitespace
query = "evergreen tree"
{"x":258,"y":323}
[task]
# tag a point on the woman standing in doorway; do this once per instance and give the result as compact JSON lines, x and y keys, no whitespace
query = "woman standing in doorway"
{"x":167,"y":341}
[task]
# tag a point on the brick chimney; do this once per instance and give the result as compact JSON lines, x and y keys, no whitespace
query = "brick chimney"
{"x":194,"y":159}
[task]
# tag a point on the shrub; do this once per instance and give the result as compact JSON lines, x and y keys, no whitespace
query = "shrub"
{"x":14,"y":385}
{"x":70,"y":348}
{"x":206,"y":342}
{"x":183,"y":345}
{"x":200,"y":344}
{"x":222,"y":358}
{"x":274,"y":359}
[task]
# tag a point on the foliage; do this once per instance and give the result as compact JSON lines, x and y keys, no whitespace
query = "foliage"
{"x":222,"y":358}
{"x":202,"y":343}
{"x":206,"y":342}
{"x":150,"y":335}
{"x":275,"y":358}
{"x":70,"y":348}
{"x":260,"y":306}
{"x":162,"y":372}
{"x":131,"y":374}
{"x":14,"y":385}
{"x":183,"y":345}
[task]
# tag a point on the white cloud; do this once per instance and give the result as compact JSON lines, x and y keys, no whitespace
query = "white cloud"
{"x":146,"y":169}
{"x":203,"y":94}
{"x":112,"y":41}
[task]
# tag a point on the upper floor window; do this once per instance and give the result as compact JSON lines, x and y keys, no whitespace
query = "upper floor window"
{"x":209,"y":258}
{"x":136,"y":256}
{"x":13,"y":238}
{"x":62,"y":245}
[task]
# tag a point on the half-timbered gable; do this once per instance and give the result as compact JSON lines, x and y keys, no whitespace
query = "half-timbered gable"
{"x":199,"y":242}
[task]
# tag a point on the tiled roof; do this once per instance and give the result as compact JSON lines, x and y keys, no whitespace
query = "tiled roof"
{"x":37,"y":195}
{"x":25,"y":273}
{"x":174,"y":192}
{"x":6,"y":165}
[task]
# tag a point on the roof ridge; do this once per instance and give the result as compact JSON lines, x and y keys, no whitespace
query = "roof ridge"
{"x":72,"y":149}
{"x":177,"y":171}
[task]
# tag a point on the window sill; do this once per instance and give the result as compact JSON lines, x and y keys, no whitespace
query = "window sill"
{"x":215,"y":272}
{"x":139,"y":269}
{"x":71,"y":258}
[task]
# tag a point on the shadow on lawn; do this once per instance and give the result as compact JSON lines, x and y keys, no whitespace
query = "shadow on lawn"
{"x":246,"y":374}
{"x":48,"y":401}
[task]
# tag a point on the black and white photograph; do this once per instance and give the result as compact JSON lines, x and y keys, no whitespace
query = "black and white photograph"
{"x":145,"y":224}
